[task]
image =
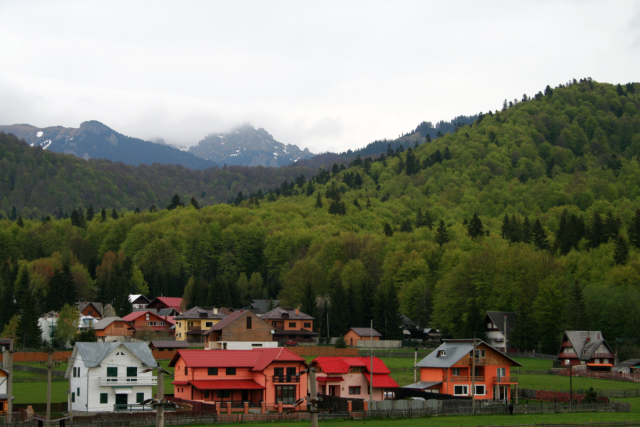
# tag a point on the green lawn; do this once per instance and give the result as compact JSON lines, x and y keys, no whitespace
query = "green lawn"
{"x":561,"y":383}
{"x":529,"y":364}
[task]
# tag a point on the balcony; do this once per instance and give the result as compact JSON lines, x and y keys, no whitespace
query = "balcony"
{"x":122,"y":407}
{"x":478,"y":360}
{"x":505,"y":380}
{"x":467,"y":379}
{"x":286,"y":379}
{"x":127,"y":381}
{"x":603,"y":356}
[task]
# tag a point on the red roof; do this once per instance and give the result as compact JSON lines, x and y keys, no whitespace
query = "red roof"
{"x":169,"y":302}
{"x":329,"y":379}
{"x":382,"y":381}
{"x":226,"y":384}
{"x":137,"y":314}
{"x":341,"y":365}
{"x":257,"y":359}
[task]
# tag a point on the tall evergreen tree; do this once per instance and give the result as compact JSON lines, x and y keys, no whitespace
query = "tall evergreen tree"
{"x":194,"y":203}
{"x":318,"y":201}
{"x":526,"y":230}
{"x":309,"y":304}
{"x":175,"y":202}
{"x":612,"y":227}
{"x":388,"y":231}
{"x":621,"y":251}
{"x":442,"y":236}
{"x":103,"y":215}
{"x":90,"y":213}
{"x":506,"y":228}
{"x":596,"y":234}
{"x":634,"y":230}
{"x":576,"y":311}
{"x":475,"y":229}
{"x":8,"y":306}
{"x":62,"y":289}
{"x":525,"y":332}
{"x":20,"y":222}
{"x":539,"y":235}
{"x":387,"y":318}
{"x":29,"y":333}
{"x":114,"y":213}
{"x":338,"y":311}
{"x":406,"y":226}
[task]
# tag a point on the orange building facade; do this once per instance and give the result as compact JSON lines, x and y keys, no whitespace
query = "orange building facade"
{"x":270,"y":375}
{"x":112,"y":327}
{"x":451,"y":369}
{"x":361,"y":334}
{"x":4,"y":398}
{"x":143,"y":321}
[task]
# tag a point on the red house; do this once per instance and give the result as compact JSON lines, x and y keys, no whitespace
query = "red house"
{"x":587,"y":349}
{"x":146,"y":321}
{"x":270,"y":375}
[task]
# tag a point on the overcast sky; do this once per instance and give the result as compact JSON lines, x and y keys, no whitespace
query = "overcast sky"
{"x":327,"y":75}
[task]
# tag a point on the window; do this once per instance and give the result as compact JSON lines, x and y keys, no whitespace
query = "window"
{"x":73,"y":397}
{"x":354,"y":390}
{"x":455,"y":372}
{"x":223,"y":393}
{"x":231,"y":371}
{"x":74,"y":372}
{"x":248,"y":322}
{"x":256,"y":345}
{"x":206,"y":394}
{"x":480,"y":390}
{"x":179,"y":334}
{"x":441,"y":353}
{"x":356,"y":369}
{"x":112,"y":371}
{"x":78,"y":392}
{"x":212,"y":371}
{"x":481,"y":353}
{"x":285,"y":394}
{"x":460,"y":390}
{"x":307,"y":324}
{"x":501,"y":372}
{"x":186,"y":370}
{"x":180,"y":324}
{"x":161,"y":323}
{"x":208,"y":324}
{"x":291,"y":372}
{"x":278,"y":372}
{"x":90,"y":312}
{"x":292,"y":324}
{"x":139,"y":397}
{"x":132,"y":371}
{"x":104,"y":398}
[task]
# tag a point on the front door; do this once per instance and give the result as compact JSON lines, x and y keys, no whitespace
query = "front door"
{"x":334,"y":390}
{"x":504,"y":394}
{"x":122,"y":399}
{"x":245,"y":395}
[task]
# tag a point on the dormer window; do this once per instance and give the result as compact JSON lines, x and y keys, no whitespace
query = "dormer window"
{"x":441,"y":353}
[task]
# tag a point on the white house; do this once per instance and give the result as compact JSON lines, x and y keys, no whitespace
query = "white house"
{"x":106,"y":377}
{"x":48,"y":327}
{"x":138,"y":301}
{"x":499,"y":328}
{"x":4,"y":397}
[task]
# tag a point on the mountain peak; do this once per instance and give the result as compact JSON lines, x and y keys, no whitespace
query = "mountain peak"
{"x":94,"y":126}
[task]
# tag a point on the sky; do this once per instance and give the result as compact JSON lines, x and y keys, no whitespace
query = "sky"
{"x":324,"y":75}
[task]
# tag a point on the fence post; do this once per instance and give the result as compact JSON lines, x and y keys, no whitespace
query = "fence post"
{"x":228,"y":408}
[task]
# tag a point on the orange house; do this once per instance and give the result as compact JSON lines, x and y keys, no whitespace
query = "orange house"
{"x":450,"y":370}
{"x":143,"y":321}
{"x":4,"y":398}
{"x":259,"y":375}
{"x":110,"y":328}
{"x":356,"y":334}
{"x":290,"y":323}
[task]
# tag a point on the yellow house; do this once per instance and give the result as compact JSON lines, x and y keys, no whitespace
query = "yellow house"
{"x":191,"y":324}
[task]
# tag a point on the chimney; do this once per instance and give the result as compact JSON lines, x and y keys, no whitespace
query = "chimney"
{"x":215,"y":311}
{"x":297,"y":311}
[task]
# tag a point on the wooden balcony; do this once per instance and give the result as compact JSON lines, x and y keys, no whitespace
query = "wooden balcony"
{"x":478,"y":361}
{"x":505,"y":380}
{"x":467,"y":379}
{"x":286,"y":379}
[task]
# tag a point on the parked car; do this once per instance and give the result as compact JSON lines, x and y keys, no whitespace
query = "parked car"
{"x":288,"y":343}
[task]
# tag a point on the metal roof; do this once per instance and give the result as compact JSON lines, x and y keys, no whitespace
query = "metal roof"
{"x":257,"y":358}
{"x":422,"y":385}
{"x":286,"y":313}
{"x":497,"y":318}
{"x":201,"y":313}
{"x":97,"y":305}
{"x":586,"y":343}
{"x":629,"y":363}
{"x":169,"y":344}
{"x":93,"y":353}
{"x":366,"y":332}
{"x":103,"y":323}
{"x":455,"y":350}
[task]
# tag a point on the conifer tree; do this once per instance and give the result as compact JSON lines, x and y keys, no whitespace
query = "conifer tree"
{"x":539,"y":235}
{"x":8,"y":306}
{"x":62,"y":289}
{"x":526,"y":230}
{"x":114,"y":213}
{"x":338,"y":311}
{"x":153,"y":208}
{"x":634,"y":230}
{"x":621,"y":251}
{"x":612,"y":227}
{"x":368,"y":203}
{"x":576,"y":311}
{"x":194,"y":203}
{"x":447,"y":154}
{"x":596,"y":234}
{"x":506,"y":228}
{"x":475,"y":228}
{"x":137,"y":210}
{"x":309,"y":305}
{"x":309,"y":190}
{"x":318,"y":201}
{"x":75,"y":219}
{"x":525,"y":336}
{"x":419,"y":220}
{"x":90,"y":213}
{"x":29,"y":333}
{"x":103,"y":215}
{"x":427,"y":220}
{"x":388,"y":231}
{"x":442,"y":236}
{"x":176,"y":202}
{"x":406,"y":226}
{"x":20,"y":222}
{"x":356,"y":204}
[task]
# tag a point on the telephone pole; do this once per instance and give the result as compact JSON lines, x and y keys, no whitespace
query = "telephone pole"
{"x":313,"y":399}
{"x":160,"y":407}
{"x":49,"y":367}
{"x":9,"y":355}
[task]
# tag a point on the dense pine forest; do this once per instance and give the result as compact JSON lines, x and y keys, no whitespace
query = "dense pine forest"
{"x":532,"y":209}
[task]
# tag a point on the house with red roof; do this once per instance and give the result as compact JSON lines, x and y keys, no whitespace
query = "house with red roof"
{"x":351,"y":376}
{"x":240,"y":330}
{"x":147,"y":321}
{"x":166,"y":302}
{"x":270,"y":375}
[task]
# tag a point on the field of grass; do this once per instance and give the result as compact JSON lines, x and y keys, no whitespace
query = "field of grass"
{"x":529,"y":364}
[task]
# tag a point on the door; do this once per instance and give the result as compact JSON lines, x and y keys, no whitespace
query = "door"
{"x":245,"y":394}
{"x":504,"y":394}
{"x":334,"y":390}
{"x":121,"y":399}
{"x":291,"y":374}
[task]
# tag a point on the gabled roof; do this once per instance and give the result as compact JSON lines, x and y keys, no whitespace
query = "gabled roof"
{"x":408,"y":323}
{"x":257,"y":359}
{"x":97,"y":305}
{"x":169,"y":344}
{"x":586,"y":343}
{"x":168,"y":312}
{"x":202,"y":313}
{"x":335,"y":365}
{"x":382,"y":381}
{"x":629,"y":363}
{"x":137,"y":314}
{"x":285,"y":313}
{"x":103,"y":323}
{"x":229,"y":319}
{"x":454,"y":350}
{"x":93,"y":353}
{"x":423,"y":385}
{"x":140,"y":297}
{"x":166,"y":302}
{"x":262,"y":305}
{"x":497,"y":318}
{"x":365,"y":332}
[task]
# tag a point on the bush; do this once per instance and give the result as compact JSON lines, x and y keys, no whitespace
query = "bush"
{"x":341,"y":343}
{"x":591,"y":396}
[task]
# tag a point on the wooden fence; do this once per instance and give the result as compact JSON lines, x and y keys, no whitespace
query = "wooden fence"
{"x":324,"y":351}
{"x":58,"y":356}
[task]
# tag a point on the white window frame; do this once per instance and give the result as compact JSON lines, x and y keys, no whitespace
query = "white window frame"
{"x":455,"y":372}
{"x":465,"y":391}
{"x":483,"y":388}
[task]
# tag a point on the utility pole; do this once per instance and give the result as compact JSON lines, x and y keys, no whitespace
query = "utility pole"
{"x":371,"y":371}
{"x":9,"y":355}
{"x":49,"y":367}
{"x":473,"y":374}
{"x":313,"y":399}
{"x":160,"y":407}
{"x":415,"y":366}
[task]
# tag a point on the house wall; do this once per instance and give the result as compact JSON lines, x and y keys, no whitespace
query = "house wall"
{"x":3,"y":382}
{"x":291,"y":324}
{"x":237,"y":330}
{"x":351,"y":338}
{"x":142,"y":324}
{"x":240,"y":345}
{"x":184,"y":325}
{"x":90,"y":310}
{"x":356,"y":379}
{"x":116,"y":329}
{"x":88,"y":383}
{"x":264,"y":378}
{"x":47,"y":326}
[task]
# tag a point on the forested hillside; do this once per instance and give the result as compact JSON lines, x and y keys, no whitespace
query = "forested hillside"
{"x":533,"y":208}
